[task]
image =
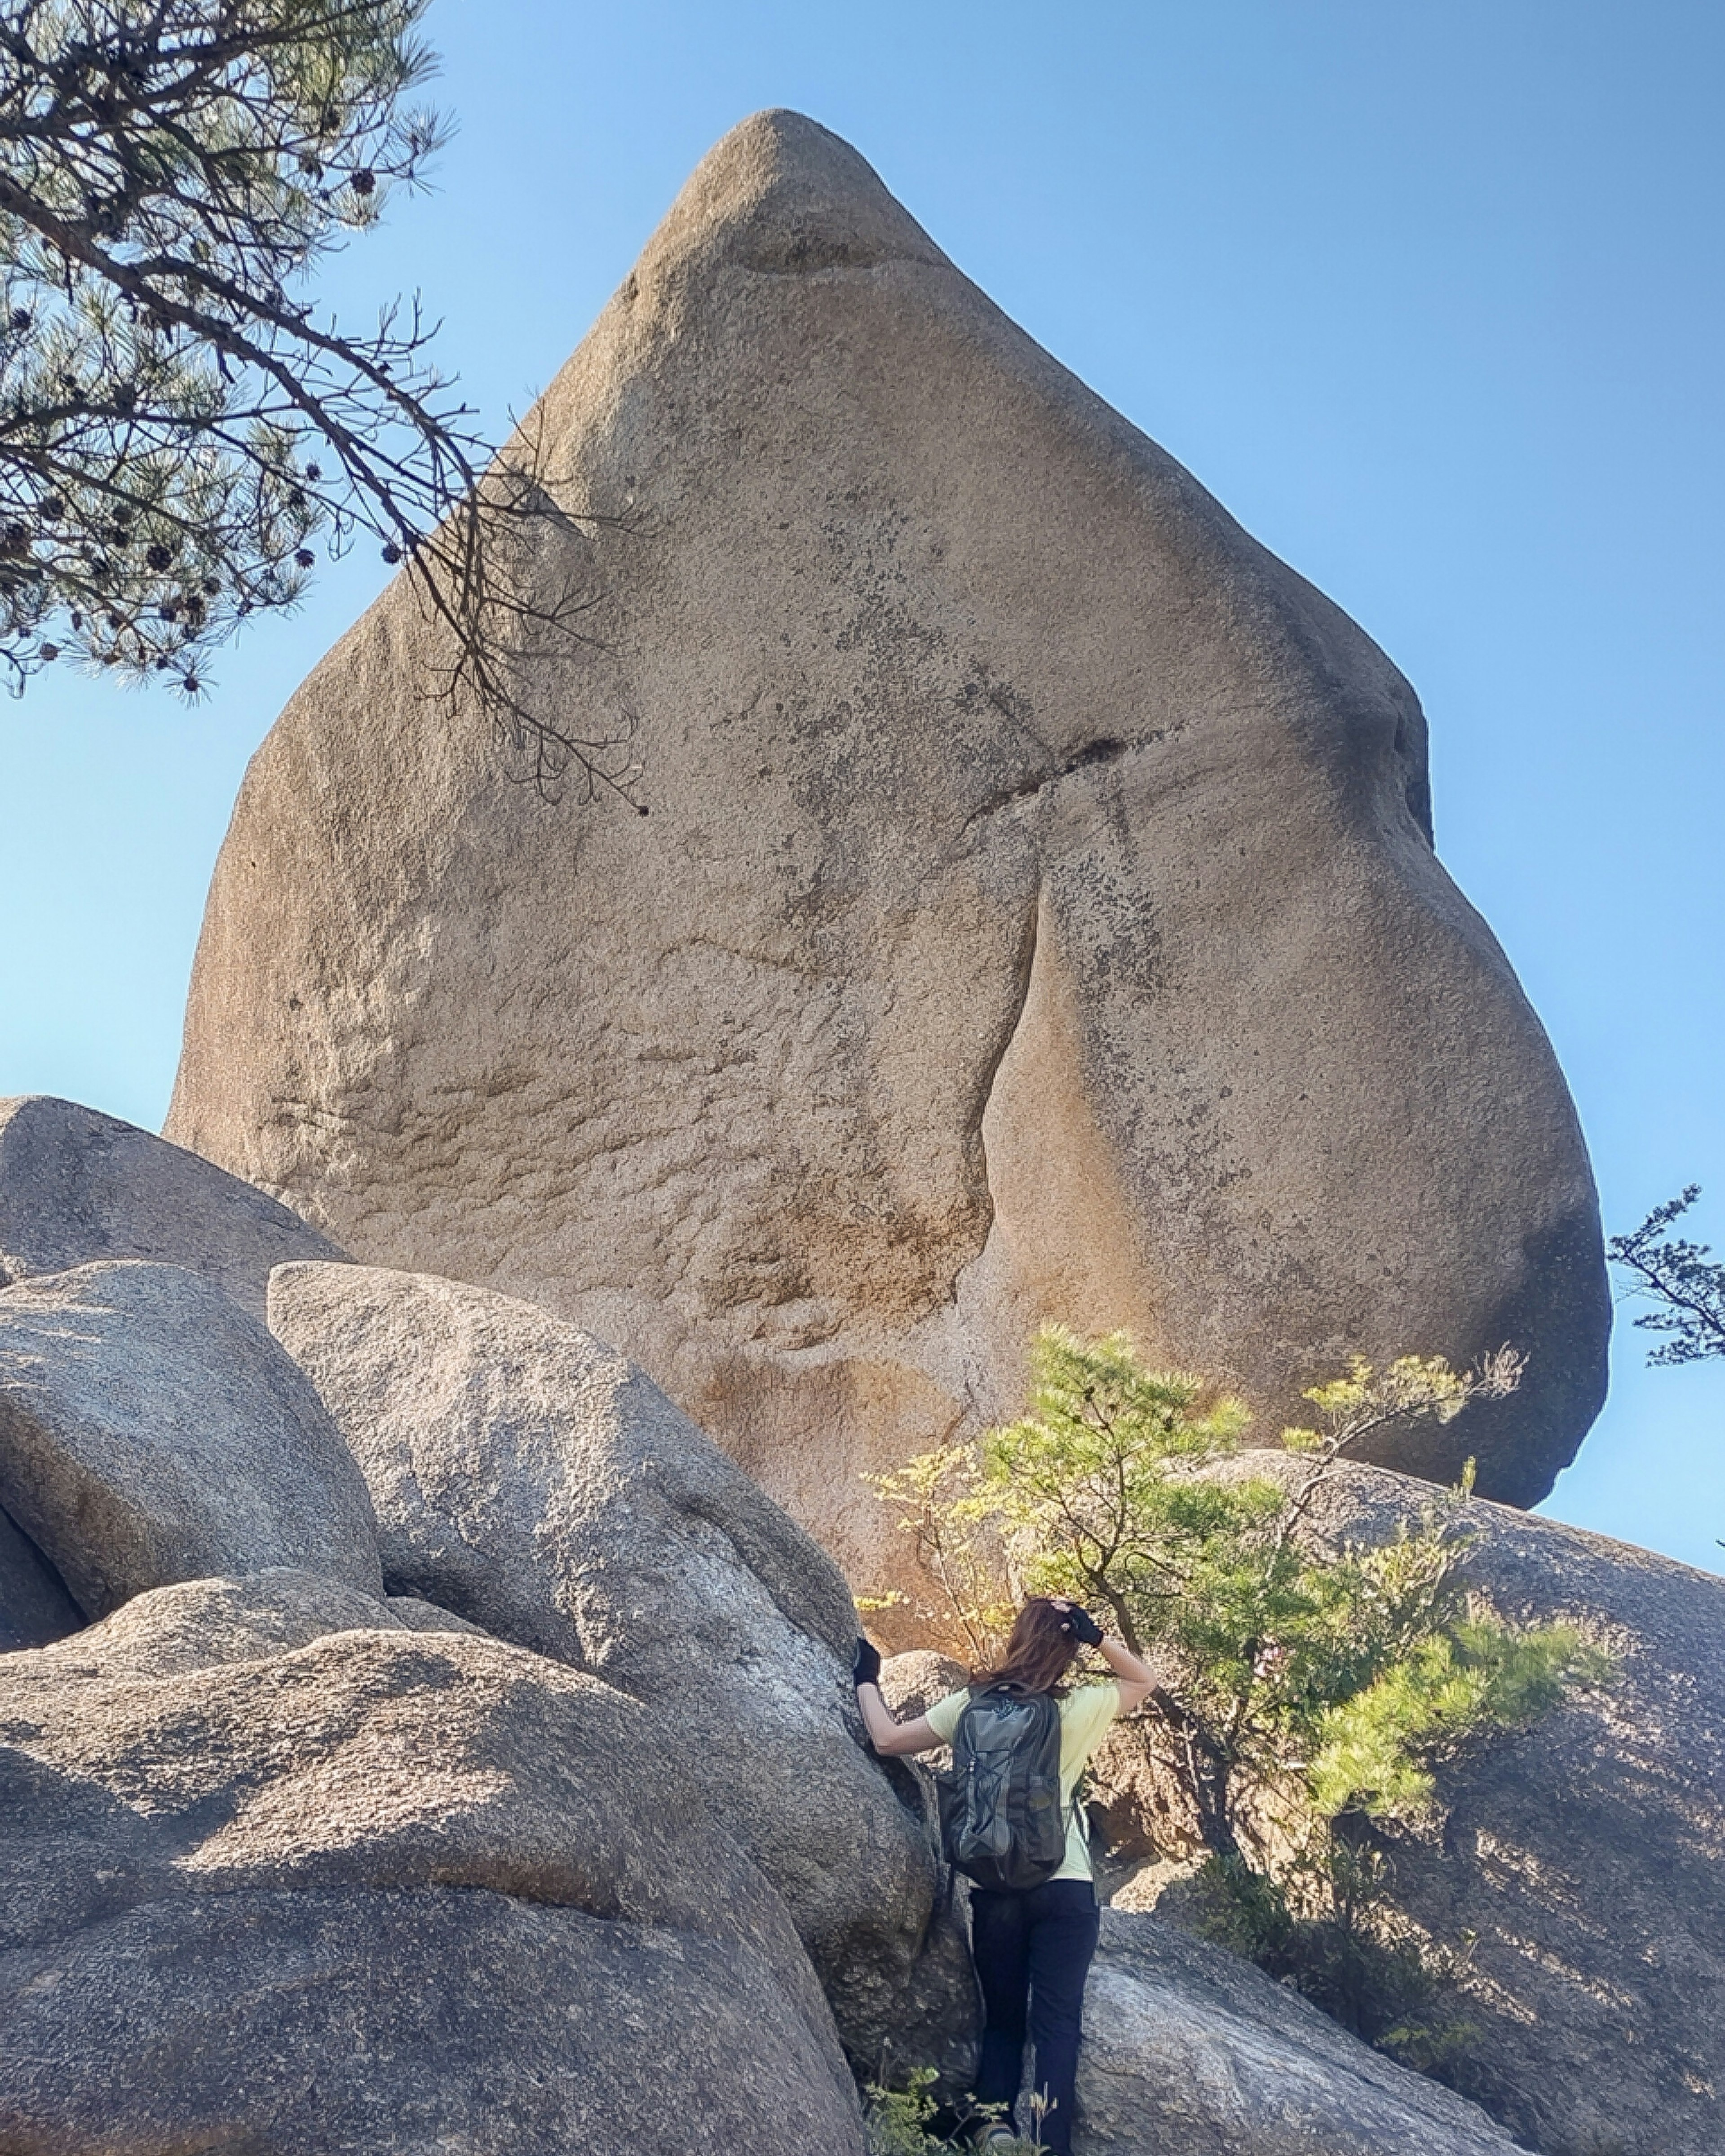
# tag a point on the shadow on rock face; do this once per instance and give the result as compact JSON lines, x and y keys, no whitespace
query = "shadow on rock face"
{"x":34,"y":1605}
{"x":383,"y":1891}
{"x":1581,"y":1864}
{"x":530,"y":1478}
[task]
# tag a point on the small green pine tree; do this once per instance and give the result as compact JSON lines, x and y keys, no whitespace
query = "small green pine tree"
{"x":1315,"y":1690}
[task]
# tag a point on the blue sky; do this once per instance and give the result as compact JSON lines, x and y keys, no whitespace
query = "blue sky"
{"x":1429,"y":294}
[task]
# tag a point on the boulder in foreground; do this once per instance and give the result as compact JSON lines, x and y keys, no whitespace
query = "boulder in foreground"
{"x":1190,"y":2052}
{"x":152,"y":1431}
{"x":201,"y":1623}
{"x":530,"y":1478}
{"x":383,"y":1893}
{"x":77,"y":1186}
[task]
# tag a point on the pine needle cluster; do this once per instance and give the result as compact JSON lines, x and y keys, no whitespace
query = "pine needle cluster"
{"x":182,"y":430}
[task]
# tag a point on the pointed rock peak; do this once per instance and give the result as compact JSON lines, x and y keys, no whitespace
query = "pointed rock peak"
{"x":782,"y":194}
{"x":1023,"y":837}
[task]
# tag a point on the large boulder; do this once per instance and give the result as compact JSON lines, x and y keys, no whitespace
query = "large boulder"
{"x":152,"y":1431}
{"x":381,"y":1892}
{"x":530,"y":1478}
{"x":1582,"y":1865}
{"x":1037,"y":915}
{"x":385,"y":2024}
{"x":1189,"y":2052}
{"x":76,"y":1186}
{"x":34,"y":1605}
{"x":200,"y":1623}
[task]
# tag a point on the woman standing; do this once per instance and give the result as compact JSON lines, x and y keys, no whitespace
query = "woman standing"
{"x":1032,"y":1948}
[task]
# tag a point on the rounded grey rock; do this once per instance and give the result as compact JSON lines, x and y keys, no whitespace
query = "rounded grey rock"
{"x":383,"y":1893}
{"x":150,"y":1431}
{"x":528,"y":1477}
{"x":77,"y":1186}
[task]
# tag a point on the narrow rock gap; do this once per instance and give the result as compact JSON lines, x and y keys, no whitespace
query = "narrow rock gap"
{"x":973,"y":1137}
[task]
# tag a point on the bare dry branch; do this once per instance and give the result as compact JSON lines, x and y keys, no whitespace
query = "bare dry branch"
{"x":181,"y":433}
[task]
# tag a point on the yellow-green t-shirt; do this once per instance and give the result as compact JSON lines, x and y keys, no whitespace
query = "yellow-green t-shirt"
{"x":1084,"y":1715}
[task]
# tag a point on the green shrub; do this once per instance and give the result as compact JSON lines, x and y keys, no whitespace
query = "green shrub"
{"x":899,"y":2122}
{"x":1316,"y":1688}
{"x":906,"y":2122}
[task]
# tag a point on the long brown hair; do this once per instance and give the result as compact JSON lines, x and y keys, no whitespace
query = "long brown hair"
{"x":1040,"y":1650}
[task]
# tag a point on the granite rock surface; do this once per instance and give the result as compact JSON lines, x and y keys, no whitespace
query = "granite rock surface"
{"x":530,"y":1478}
{"x":77,"y":1186}
{"x":1190,"y":2051}
{"x":152,"y":1431}
{"x":1037,"y":916}
{"x":382,"y":1891}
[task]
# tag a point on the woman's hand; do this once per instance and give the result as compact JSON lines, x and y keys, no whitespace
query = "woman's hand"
{"x":891,"y":1737}
{"x":1130,"y":1673}
{"x":1083,"y":1627}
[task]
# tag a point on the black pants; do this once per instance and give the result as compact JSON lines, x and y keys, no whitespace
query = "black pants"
{"x":1033,"y":1953}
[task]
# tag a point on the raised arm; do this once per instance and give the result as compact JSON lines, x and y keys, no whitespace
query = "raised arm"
{"x":1132,"y":1675}
{"x":890,"y":1736}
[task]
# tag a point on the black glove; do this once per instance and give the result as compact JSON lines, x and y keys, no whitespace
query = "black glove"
{"x":1083,"y":1626}
{"x":866,"y":1668}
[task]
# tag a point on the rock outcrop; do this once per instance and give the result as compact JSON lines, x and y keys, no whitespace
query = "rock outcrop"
{"x":1190,"y":2052}
{"x":910,"y":1683}
{"x":381,"y":1891}
{"x":295,"y":1856}
{"x":1586,"y":1858}
{"x":77,"y":1186}
{"x":150,"y":1431}
{"x":1583,"y":1864}
{"x":1037,"y":916}
{"x":527,"y":1476}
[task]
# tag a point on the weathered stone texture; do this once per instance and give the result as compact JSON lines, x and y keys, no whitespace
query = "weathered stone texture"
{"x":201,"y":1623}
{"x":528,"y":1476}
{"x":152,"y":1431}
{"x":1037,"y":915}
{"x":910,"y":1683}
{"x":345,"y":2024}
{"x":1190,"y":2052}
{"x":384,"y":1892}
{"x":77,"y":1186}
